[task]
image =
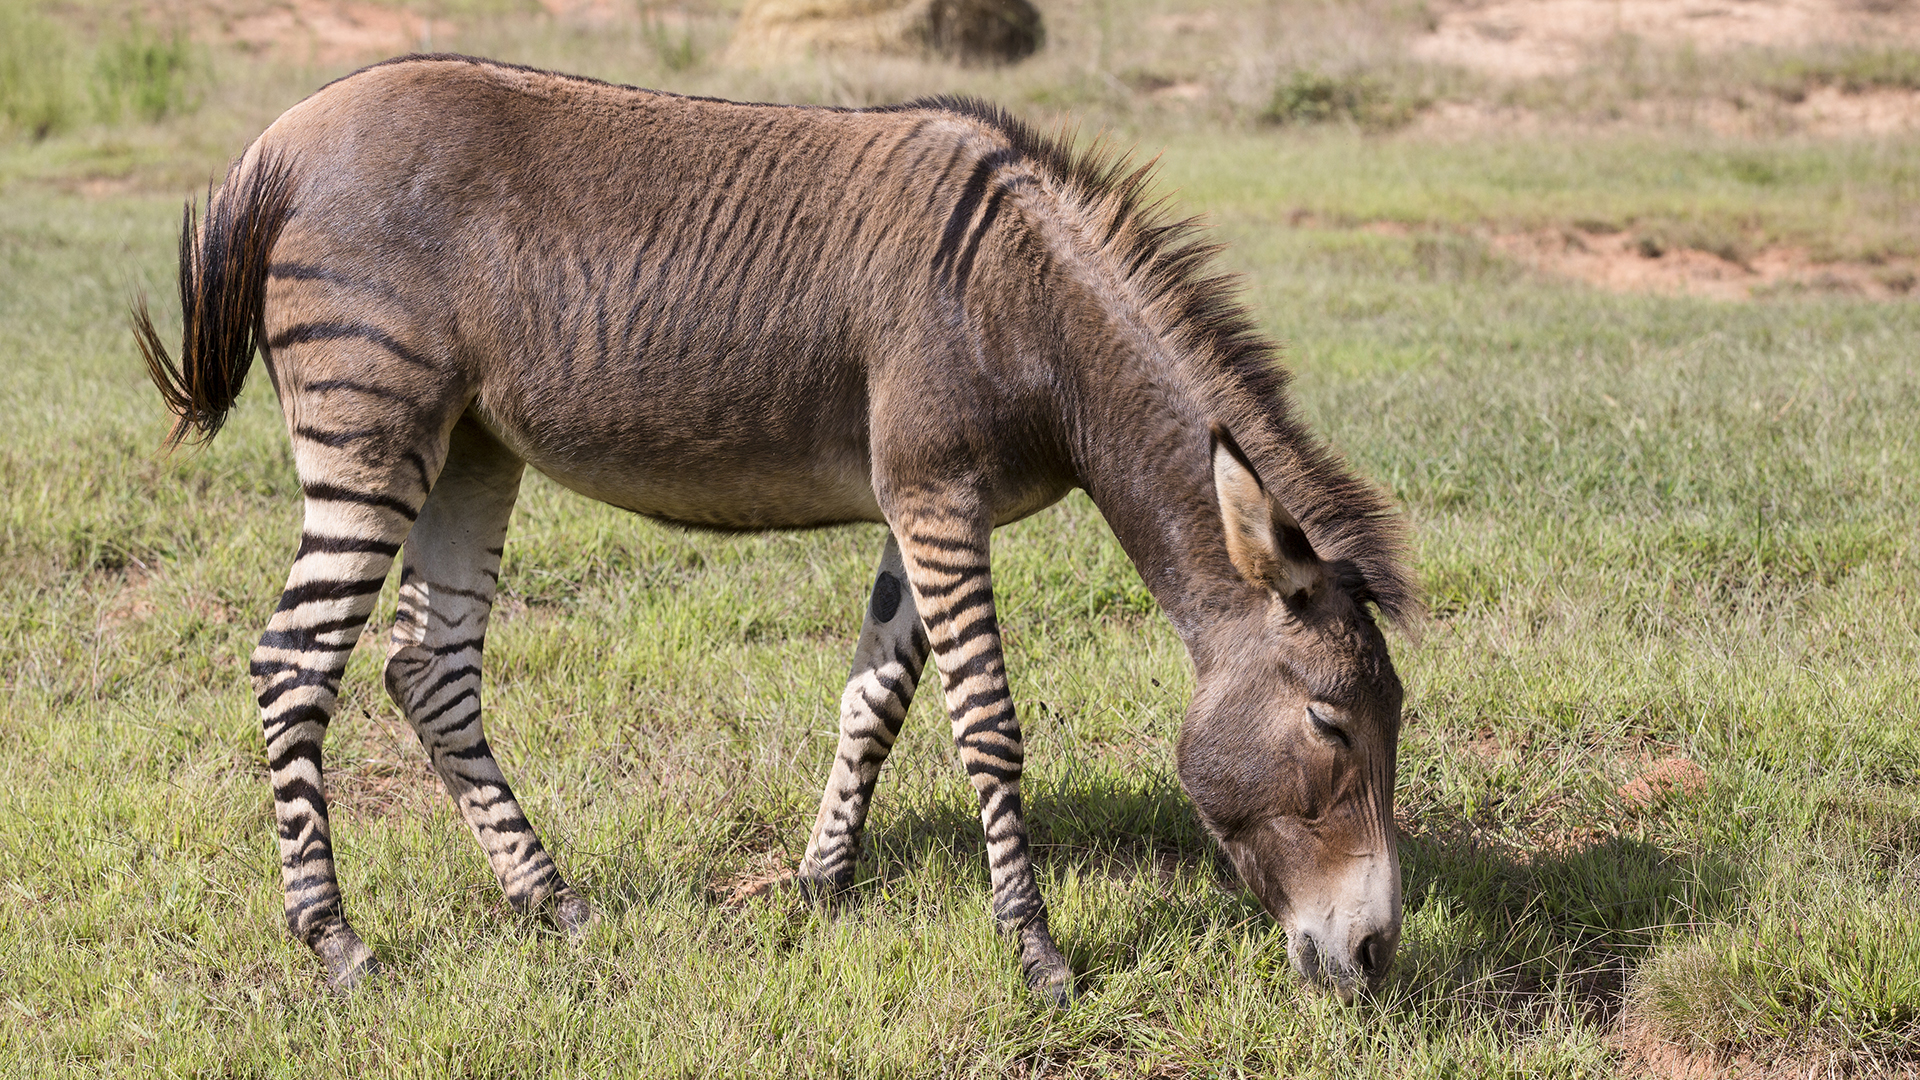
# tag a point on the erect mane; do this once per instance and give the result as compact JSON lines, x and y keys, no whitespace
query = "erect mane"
{"x":1350,"y":521}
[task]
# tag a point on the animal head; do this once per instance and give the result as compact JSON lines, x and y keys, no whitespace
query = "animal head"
{"x":1288,"y":749}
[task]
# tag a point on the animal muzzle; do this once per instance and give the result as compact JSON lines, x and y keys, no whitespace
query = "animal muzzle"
{"x":1348,"y":945}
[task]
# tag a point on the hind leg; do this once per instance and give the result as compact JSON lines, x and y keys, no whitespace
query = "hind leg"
{"x":886,"y":668}
{"x":356,"y":518}
{"x":447,"y":583}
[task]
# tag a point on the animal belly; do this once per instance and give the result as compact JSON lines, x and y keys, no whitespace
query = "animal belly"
{"x":793,"y":497}
{"x":743,"y":474}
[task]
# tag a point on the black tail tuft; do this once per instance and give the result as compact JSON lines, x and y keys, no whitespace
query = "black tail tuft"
{"x":223,"y":285}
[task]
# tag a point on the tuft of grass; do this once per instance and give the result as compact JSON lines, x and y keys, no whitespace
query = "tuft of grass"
{"x":36,"y":97}
{"x":1305,"y":97}
{"x":677,"y":48}
{"x":1816,"y":957}
{"x":144,"y":74}
{"x":1852,"y":71}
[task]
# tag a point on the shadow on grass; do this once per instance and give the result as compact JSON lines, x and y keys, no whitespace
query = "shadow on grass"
{"x":1520,"y":932}
{"x":1512,"y":931}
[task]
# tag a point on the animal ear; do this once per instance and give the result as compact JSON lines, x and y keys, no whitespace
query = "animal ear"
{"x":1265,"y":543}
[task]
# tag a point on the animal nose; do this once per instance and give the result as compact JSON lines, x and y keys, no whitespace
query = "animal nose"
{"x":1373,"y":956}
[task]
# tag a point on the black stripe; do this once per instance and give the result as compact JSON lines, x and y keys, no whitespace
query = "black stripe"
{"x":966,"y":577}
{"x":1002,"y":773}
{"x":1001,"y":706}
{"x":294,"y":271}
{"x":939,"y":543}
{"x":336,"y":438}
{"x":299,"y":788}
{"x":940,"y":182}
{"x":965,"y":269}
{"x":327,"y":386}
{"x":978,"y":663}
{"x":312,"y":543}
{"x":477,"y":751}
{"x":980,"y":598}
{"x":853,"y":169}
{"x":467,"y":594}
{"x":300,"y":751}
{"x":962,"y":216}
{"x":335,"y":493}
{"x":884,"y":708}
{"x":446,"y":707}
{"x":330,"y":590}
{"x":307,"y":638}
{"x":303,"y":333}
{"x":328,"y":679}
{"x":462,"y":645}
{"x":900,"y":691}
{"x":886,"y":165}
{"x":420,"y":464}
{"x":278,"y":727}
{"x":981,"y":623}
{"x":916,"y":664}
{"x":447,"y":679}
{"x":515,"y":825}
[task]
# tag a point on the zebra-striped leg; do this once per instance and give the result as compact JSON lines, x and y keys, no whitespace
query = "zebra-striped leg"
{"x":946,"y":559}
{"x":447,"y":583}
{"x":351,"y":533}
{"x":886,"y":669}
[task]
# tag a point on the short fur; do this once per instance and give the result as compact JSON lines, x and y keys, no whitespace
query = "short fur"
{"x":751,"y":317}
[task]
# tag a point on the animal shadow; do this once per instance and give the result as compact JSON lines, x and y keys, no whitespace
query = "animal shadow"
{"x":1515,"y":929}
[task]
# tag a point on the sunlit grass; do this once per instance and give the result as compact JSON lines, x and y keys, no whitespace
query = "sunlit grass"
{"x":1650,"y":529}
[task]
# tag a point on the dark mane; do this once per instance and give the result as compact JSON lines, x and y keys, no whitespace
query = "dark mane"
{"x":1351,"y":522}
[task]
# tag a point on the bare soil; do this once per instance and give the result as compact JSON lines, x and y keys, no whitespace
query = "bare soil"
{"x":1629,"y":262}
{"x":1524,"y":39}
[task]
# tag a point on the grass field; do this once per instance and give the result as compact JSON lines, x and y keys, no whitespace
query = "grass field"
{"x":1658,"y":779}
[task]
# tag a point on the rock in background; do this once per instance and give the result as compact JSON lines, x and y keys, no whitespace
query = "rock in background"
{"x":965,"y":31}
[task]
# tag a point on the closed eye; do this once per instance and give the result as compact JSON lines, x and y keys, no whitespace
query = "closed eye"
{"x":1328,"y":729}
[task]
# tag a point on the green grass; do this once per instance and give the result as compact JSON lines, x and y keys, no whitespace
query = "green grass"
{"x":1648,"y":527}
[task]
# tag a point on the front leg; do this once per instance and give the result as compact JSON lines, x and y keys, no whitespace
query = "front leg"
{"x":886,"y":669}
{"x":946,"y":560}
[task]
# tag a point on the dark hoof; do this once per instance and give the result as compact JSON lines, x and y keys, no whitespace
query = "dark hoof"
{"x":573,"y":916}
{"x":1055,"y":990}
{"x":1048,"y":975}
{"x":349,"y":962}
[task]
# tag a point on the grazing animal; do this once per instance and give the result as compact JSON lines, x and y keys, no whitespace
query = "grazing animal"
{"x":766,"y":317}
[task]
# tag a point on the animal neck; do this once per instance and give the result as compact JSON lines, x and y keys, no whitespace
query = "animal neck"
{"x":1144,"y":456}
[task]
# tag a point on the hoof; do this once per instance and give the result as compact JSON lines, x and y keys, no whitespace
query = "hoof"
{"x":1055,"y":990}
{"x":1048,"y":975}
{"x":573,"y":916}
{"x":349,"y":962}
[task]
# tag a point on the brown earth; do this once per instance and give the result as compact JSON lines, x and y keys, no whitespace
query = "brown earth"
{"x":326,"y":32}
{"x":1662,"y":780}
{"x":1823,"y":111}
{"x":1523,"y":39}
{"x":1630,"y":262}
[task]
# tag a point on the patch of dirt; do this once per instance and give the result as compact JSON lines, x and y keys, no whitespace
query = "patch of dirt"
{"x":331,"y":31}
{"x":1630,"y":262}
{"x":392,"y":778}
{"x":1527,"y":39}
{"x":1662,"y":780}
{"x":1827,"y":110}
{"x":1649,"y":1055}
{"x":1645,"y":1053}
{"x":1186,"y":22}
{"x":767,"y":874}
{"x":134,"y":600}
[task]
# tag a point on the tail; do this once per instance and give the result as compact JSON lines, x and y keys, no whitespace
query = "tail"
{"x":223,"y":286}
